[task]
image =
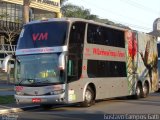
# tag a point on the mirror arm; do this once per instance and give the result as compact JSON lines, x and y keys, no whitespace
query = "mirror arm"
{"x":62,"y":58}
{"x":5,"y":63}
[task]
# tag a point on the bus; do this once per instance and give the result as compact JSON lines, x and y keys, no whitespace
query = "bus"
{"x":73,"y":60}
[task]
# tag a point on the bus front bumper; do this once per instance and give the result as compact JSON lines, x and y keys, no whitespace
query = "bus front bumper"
{"x":49,"y":99}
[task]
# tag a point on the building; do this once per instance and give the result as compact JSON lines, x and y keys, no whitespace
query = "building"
{"x":11,"y":19}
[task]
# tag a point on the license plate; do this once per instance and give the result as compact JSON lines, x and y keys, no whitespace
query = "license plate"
{"x":36,"y":100}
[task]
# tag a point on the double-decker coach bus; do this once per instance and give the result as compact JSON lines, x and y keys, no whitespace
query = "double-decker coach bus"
{"x":72,"y":60}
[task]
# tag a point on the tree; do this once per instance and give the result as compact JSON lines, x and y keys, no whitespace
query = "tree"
{"x":10,"y":33}
{"x":26,"y":4}
{"x":70,"y":10}
{"x":9,"y":36}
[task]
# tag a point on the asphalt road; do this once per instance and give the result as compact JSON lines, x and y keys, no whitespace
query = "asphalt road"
{"x":121,"y":108}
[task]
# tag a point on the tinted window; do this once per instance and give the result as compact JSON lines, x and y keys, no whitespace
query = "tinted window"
{"x":99,"y":68}
{"x":43,"y":35}
{"x":105,"y":36}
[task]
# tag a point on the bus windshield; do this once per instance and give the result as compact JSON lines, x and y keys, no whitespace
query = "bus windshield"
{"x":38,"y":69}
{"x":45,"y":34}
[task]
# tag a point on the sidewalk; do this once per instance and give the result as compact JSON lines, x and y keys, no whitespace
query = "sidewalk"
{"x":13,"y":108}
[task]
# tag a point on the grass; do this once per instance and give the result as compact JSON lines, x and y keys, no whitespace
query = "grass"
{"x":7,"y":99}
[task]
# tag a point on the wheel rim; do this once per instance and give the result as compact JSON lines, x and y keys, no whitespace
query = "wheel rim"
{"x":145,"y":90}
{"x":88,"y":96}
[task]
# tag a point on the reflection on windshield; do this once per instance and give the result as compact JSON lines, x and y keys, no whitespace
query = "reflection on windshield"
{"x":44,"y":34}
{"x":42,"y":68}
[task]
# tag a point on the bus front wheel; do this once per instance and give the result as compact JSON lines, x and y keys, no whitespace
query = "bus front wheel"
{"x":88,"y":98}
{"x":139,"y":92}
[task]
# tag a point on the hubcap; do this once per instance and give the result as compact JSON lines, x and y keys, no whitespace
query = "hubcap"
{"x":88,"y":96}
{"x":138,"y":91}
{"x":145,"y":89}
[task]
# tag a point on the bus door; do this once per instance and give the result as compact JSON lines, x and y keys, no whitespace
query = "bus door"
{"x":75,"y":61}
{"x":75,"y":56}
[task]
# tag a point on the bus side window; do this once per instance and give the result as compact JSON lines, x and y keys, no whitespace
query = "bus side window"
{"x":70,"y":68}
{"x":71,"y":71}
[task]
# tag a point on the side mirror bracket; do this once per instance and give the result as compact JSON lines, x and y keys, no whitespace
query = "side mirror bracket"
{"x":5,"y":65}
{"x":62,"y":61}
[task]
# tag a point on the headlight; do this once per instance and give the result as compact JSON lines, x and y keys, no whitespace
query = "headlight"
{"x":56,"y":92}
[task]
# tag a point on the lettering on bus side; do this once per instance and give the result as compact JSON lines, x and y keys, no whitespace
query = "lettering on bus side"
{"x":102,"y":52}
{"x":39,"y":36}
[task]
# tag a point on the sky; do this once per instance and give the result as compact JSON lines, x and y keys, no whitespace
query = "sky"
{"x":137,"y":14}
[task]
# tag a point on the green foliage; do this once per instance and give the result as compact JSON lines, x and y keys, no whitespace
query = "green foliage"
{"x":7,"y":99}
{"x":70,"y":10}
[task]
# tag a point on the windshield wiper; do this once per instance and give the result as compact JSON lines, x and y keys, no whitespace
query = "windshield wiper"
{"x":28,"y":79}
{"x":34,"y":81}
{"x":43,"y":81}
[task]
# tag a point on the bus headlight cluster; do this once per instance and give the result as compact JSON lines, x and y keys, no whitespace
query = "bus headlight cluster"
{"x":56,"y":92}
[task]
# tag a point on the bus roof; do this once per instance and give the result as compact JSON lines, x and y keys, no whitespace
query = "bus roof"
{"x":74,"y":20}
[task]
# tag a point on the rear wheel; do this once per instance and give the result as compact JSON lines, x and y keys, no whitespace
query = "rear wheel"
{"x":138,"y":93}
{"x":88,"y":98}
{"x":145,"y":90}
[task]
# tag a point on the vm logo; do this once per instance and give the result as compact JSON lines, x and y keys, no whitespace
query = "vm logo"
{"x":39,"y":36}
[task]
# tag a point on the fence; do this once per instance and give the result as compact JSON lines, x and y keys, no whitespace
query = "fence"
{"x":7,"y":48}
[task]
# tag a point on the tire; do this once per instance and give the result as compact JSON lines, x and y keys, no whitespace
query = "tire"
{"x":145,"y":90}
{"x":46,"y":106}
{"x":139,"y":92}
{"x":158,"y":90}
{"x":88,"y":98}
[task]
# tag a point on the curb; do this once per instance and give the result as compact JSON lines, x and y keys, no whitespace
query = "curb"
{"x":14,"y":110}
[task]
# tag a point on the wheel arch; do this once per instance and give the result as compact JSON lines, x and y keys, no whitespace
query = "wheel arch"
{"x":139,"y":82}
{"x":92,"y":86}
